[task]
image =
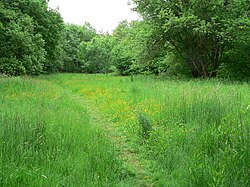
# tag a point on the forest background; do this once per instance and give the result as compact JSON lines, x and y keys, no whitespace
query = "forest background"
{"x":183,"y":38}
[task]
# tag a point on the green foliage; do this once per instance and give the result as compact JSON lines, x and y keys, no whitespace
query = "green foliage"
{"x":29,"y":34}
{"x":49,"y":24}
{"x":121,"y":53}
{"x":139,"y":50}
{"x":73,"y":36}
{"x":11,"y":66}
{"x":128,"y":53}
{"x":95,"y":55}
{"x":201,"y":31}
{"x":199,"y":38}
{"x":145,"y":127}
{"x":236,"y":62}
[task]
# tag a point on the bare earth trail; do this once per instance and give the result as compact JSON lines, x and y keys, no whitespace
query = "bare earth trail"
{"x":127,"y":154}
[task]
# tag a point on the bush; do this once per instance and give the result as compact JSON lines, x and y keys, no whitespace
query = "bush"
{"x":11,"y":66}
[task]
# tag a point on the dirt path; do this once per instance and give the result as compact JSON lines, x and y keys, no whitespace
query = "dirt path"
{"x":127,"y":154}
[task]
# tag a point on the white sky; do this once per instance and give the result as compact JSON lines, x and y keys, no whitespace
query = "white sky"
{"x":103,"y":15}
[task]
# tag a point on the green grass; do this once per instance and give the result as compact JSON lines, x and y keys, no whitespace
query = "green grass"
{"x":185,"y":133}
{"x":47,"y":138}
{"x":188,"y":133}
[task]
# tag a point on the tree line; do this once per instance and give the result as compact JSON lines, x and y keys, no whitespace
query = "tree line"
{"x":196,"y":38}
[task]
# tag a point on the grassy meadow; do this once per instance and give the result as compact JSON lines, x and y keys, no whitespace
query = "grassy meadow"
{"x":47,"y":138}
{"x":183,"y":133}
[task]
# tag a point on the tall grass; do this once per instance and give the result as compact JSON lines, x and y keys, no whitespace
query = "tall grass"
{"x":47,"y":138}
{"x":194,"y":133}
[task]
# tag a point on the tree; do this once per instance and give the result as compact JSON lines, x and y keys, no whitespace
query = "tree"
{"x":96,"y":55}
{"x":128,"y":54}
{"x":201,"y":31}
{"x":73,"y":36}
{"x":29,"y":34}
{"x":22,"y":49}
{"x":122,"y":57}
{"x":49,"y":24}
{"x":236,"y":63}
